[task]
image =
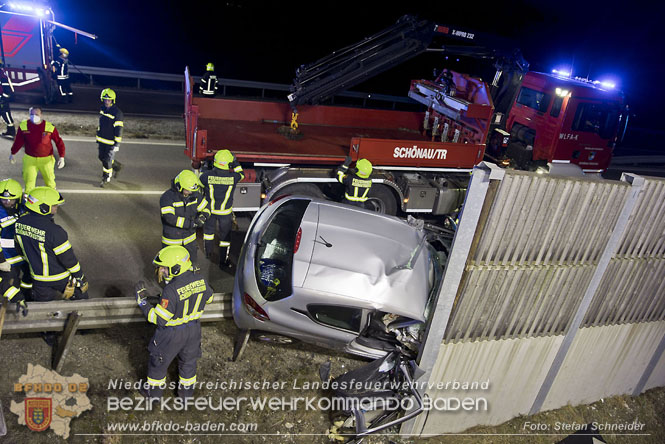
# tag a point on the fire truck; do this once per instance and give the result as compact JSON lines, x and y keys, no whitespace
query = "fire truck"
{"x":422,"y":159}
{"x":27,"y":43}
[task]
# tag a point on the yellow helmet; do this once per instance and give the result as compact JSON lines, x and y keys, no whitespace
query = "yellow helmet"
{"x":42,"y":199}
{"x":187,"y":180}
{"x":10,"y":189}
{"x":364,"y":168}
{"x":64,"y":52}
{"x":222,"y":159}
{"x":210,"y":67}
{"x":175,"y":258}
{"x":107,"y":94}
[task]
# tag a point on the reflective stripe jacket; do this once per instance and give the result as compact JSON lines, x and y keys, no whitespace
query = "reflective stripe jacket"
{"x":45,"y":245}
{"x":178,"y":214}
{"x":37,"y":139}
{"x":218,"y":185}
{"x":109,"y":131}
{"x":208,"y":85}
{"x":356,"y":189}
{"x":182,"y":300}
{"x":7,"y":87}
{"x":60,"y":69}
{"x":7,"y":244}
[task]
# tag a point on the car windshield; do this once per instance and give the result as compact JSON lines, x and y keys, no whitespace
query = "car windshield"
{"x":274,"y":252}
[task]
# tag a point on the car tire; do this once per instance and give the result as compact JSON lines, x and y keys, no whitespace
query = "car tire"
{"x":382,"y":200}
{"x":273,"y":338}
{"x":304,"y":189}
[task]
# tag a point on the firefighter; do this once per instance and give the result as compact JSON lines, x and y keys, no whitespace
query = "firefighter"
{"x":177,"y":317}
{"x":60,"y":69}
{"x":109,"y":135}
{"x":11,"y":262}
{"x":5,"y":111}
{"x":184,"y":208}
{"x":208,"y":86}
{"x":356,"y":181}
{"x":218,"y":185}
{"x":56,"y":272}
{"x":37,"y":134}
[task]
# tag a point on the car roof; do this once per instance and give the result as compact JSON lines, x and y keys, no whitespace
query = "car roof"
{"x":361,"y":256}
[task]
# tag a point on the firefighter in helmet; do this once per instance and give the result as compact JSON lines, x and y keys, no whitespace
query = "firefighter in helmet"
{"x":177,"y":315}
{"x":60,"y":70}
{"x":219,"y":185}
{"x":56,"y":272}
{"x":109,"y":135}
{"x":356,"y":181}
{"x":208,"y":85}
{"x":11,"y":262}
{"x":184,"y":208}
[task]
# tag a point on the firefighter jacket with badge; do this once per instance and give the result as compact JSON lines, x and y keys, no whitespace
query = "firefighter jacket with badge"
{"x":37,"y":139}
{"x":208,"y":85}
{"x":45,"y":245}
{"x":7,"y":230}
{"x":356,"y":189}
{"x":109,"y":131}
{"x":218,"y":185}
{"x":182,"y":301}
{"x":60,"y":69}
{"x":179,"y":213}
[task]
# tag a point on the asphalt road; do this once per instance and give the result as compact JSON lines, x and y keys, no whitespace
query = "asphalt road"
{"x":116,"y":231}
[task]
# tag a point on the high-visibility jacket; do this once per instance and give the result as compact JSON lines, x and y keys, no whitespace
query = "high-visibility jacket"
{"x":218,"y":185}
{"x":208,"y":86}
{"x":7,"y":230}
{"x":183,"y":300}
{"x":109,"y":131}
{"x":45,"y":245}
{"x":60,"y":69}
{"x":7,"y":87}
{"x":178,"y":215}
{"x":37,"y":139}
{"x":356,"y":189}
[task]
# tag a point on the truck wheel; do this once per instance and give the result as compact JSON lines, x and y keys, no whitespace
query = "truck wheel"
{"x":304,"y":189}
{"x":382,"y":200}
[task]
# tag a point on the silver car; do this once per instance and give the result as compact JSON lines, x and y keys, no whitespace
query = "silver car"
{"x":336,"y":276}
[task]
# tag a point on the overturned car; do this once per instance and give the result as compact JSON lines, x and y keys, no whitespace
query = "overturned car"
{"x":338,"y":277}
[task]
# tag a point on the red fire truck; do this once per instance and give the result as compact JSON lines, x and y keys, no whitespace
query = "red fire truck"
{"x":27,"y":43}
{"x":421,"y":159}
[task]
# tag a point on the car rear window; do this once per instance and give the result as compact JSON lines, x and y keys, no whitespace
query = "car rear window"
{"x":274,"y":252}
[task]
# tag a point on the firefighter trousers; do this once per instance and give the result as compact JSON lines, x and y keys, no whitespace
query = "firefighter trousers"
{"x":65,"y":89}
{"x":107,"y":157}
{"x":183,"y":342}
{"x":34,"y":165}
{"x":6,"y":114}
{"x":220,"y":224}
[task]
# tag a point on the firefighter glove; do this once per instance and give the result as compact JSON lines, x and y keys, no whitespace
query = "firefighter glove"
{"x":141,"y":293}
{"x":6,"y":267}
{"x":61,"y":163}
{"x":347,"y":161}
{"x":21,"y":305}
{"x":11,"y":159}
{"x":116,"y":148}
{"x":82,"y":283}
{"x":200,"y":220}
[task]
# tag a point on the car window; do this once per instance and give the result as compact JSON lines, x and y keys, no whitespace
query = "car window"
{"x":596,"y":118}
{"x":537,"y":100}
{"x":346,"y":318}
{"x":274,"y":252}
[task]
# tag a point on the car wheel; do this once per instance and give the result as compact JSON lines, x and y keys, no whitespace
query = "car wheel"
{"x":273,"y":338}
{"x":381,"y":200}
{"x":304,"y":189}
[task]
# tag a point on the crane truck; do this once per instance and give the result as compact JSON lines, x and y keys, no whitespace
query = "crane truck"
{"x":422,"y":159}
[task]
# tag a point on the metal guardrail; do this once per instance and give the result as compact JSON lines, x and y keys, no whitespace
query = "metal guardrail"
{"x":96,"y":313}
{"x":262,"y":87}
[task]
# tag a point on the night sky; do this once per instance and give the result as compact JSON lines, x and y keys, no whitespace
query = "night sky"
{"x":266,"y":41}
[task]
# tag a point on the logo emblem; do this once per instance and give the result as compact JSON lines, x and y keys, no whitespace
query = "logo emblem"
{"x":38,"y":413}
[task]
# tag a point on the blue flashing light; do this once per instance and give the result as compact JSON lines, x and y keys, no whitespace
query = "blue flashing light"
{"x":561,"y":72}
{"x":607,"y":84}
